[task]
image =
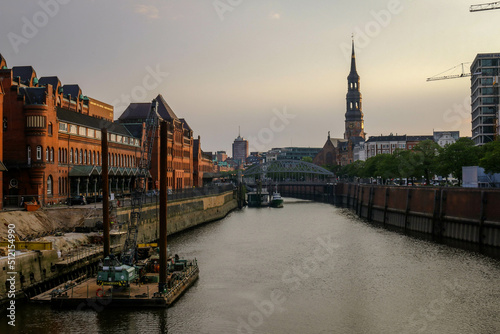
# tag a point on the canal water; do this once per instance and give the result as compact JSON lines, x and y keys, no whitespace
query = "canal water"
{"x":306,"y":268}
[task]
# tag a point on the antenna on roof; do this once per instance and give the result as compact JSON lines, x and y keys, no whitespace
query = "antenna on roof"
{"x":239,"y":131}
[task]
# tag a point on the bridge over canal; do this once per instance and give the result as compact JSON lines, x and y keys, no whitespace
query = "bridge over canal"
{"x":292,"y":178}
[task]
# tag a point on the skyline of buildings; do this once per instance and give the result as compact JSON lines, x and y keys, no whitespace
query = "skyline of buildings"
{"x":54,"y":172}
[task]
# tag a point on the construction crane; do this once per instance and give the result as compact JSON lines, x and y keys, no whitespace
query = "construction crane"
{"x":453,"y":76}
{"x":123,"y":272}
{"x":128,"y":255}
{"x":485,"y":6}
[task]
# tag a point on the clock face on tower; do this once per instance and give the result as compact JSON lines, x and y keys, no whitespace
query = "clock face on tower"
{"x":351,"y":125}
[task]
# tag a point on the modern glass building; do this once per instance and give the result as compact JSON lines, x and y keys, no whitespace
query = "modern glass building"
{"x":484,"y":97}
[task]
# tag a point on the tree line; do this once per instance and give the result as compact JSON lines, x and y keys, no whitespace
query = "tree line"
{"x":425,"y":161}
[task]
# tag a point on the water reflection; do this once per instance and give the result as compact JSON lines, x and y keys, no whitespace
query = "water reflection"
{"x":307,"y":268}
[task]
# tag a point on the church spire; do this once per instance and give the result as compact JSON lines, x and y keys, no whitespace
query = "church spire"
{"x":354,"y":113}
{"x":353,"y":60}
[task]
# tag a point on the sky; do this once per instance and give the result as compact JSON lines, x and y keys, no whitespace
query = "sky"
{"x":276,"y":69}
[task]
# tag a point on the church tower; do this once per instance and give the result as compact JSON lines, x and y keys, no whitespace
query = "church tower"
{"x":354,"y":124}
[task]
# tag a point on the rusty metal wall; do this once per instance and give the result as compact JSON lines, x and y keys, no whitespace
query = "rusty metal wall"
{"x":471,"y":215}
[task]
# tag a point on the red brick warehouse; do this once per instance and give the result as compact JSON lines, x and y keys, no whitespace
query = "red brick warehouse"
{"x":52,"y":135}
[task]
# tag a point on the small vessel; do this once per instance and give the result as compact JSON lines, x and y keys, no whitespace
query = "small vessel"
{"x":277,"y":200}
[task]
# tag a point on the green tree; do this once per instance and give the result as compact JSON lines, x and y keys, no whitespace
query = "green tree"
{"x":407,"y":164}
{"x":426,"y":154}
{"x":454,"y":156}
{"x":307,"y":159}
{"x":374,"y":166}
{"x":387,"y":167}
{"x":491,"y":159}
{"x":352,"y":170}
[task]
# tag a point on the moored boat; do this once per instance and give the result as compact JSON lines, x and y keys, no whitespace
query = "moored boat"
{"x":277,"y":200}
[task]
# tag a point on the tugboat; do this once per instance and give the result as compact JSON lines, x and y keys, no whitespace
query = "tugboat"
{"x":277,"y":200}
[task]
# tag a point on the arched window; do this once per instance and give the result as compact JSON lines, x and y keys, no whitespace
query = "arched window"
{"x":51,"y":154}
{"x":81,"y":156}
{"x":47,"y":154}
{"x":85,"y":158}
{"x":49,"y":128}
{"x":98,"y":162}
{"x":49,"y":185}
{"x":71,"y":156}
{"x":29,"y":155}
{"x":351,"y":105}
{"x":89,"y":154}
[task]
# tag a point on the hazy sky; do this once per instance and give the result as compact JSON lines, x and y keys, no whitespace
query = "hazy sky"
{"x":277,"y":68}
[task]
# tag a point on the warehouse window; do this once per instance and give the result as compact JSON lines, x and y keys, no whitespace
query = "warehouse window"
{"x":49,"y":185}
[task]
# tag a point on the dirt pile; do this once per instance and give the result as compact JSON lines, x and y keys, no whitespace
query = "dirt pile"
{"x":44,"y":222}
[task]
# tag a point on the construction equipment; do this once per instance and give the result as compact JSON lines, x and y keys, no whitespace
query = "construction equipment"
{"x":452,"y":76}
{"x":485,"y":6}
{"x":128,"y":255}
{"x":122,"y":273}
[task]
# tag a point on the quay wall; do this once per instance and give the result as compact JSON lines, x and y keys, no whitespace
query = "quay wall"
{"x":458,"y":216}
{"x":182,"y":214}
{"x":469,"y":215}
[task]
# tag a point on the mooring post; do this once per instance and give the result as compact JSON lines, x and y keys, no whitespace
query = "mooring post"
{"x":435,"y":213}
{"x":360,"y":201}
{"x":105,"y":191}
{"x":482,"y":218}
{"x":370,"y":203}
{"x":407,"y":211}
{"x":348,"y":194}
{"x":386,"y":204}
{"x":163,"y":207}
{"x":442,"y":214}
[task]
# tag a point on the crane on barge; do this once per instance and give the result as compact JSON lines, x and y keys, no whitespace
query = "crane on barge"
{"x":121,"y":273}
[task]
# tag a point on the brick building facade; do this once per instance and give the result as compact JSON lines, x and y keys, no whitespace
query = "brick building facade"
{"x":202,"y":163}
{"x":53,"y":140}
{"x":180,"y":167}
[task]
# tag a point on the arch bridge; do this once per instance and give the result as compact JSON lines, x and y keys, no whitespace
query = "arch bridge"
{"x":292,"y":178}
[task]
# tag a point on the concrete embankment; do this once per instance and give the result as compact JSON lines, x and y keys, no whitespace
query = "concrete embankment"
{"x":38,"y":271}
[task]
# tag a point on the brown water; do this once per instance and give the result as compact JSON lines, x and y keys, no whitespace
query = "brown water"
{"x":306,"y":268}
